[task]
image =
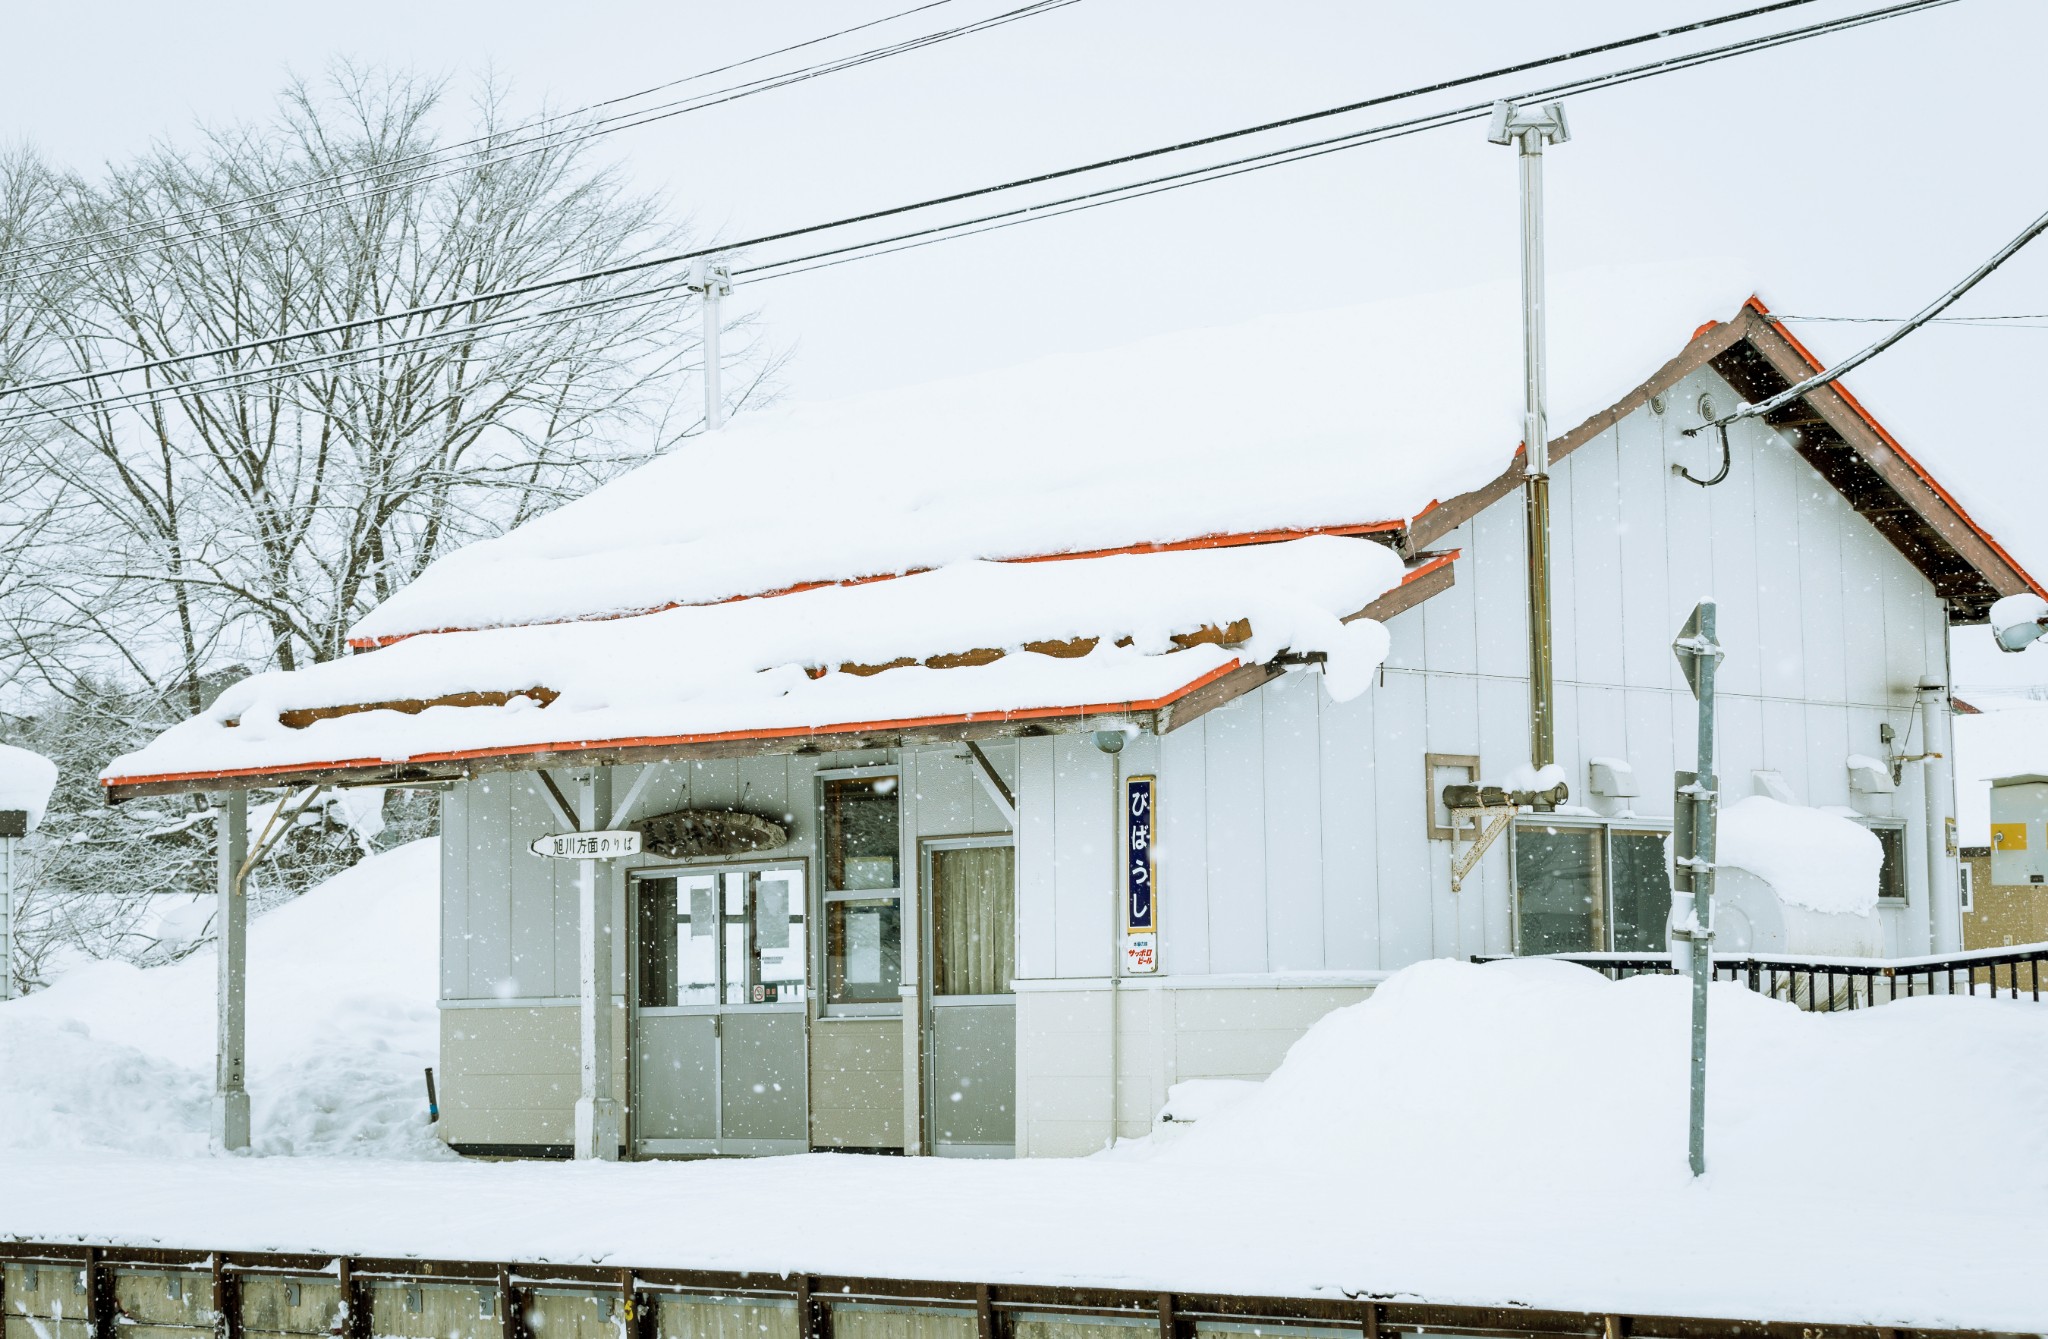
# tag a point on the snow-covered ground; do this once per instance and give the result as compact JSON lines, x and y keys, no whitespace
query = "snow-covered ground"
{"x":1512,"y":1133}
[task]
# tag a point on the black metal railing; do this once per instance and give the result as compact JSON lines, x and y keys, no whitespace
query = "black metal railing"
{"x":1824,"y":984}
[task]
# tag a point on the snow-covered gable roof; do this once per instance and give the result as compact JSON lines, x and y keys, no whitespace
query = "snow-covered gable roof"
{"x":872,"y":570}
{"x":1352,"y":418}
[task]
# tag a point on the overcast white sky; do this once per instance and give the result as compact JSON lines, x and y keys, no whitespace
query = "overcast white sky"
{"x":1857,"y":174}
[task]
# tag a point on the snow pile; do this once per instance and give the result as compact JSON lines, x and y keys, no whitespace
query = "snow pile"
{"x":26,"y":780}
{"x":1331,"y":418}
{"x":1505,"y":1135}
{"x":1460,"y":1076}
{"x":1811,"y":858}
{"x":341,"y":1022}
{"x":745,"y":666}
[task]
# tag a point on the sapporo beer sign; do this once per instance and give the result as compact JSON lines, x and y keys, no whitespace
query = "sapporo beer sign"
{"x":587,"y":845}
{"x":1141,"y":876}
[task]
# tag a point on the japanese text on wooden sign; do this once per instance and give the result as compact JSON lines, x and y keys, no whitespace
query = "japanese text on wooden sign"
{"x":587,"y":845}
{"x":1141,"y":876}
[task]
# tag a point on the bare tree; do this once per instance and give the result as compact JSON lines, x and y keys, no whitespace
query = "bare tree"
{"x":253,"y":517}
{"x":255,"y":503}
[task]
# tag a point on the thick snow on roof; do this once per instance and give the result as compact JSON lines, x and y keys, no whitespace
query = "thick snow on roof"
{"x":26,"y":780}
{"x":1303,"y":420}
{"x":744,"y":667}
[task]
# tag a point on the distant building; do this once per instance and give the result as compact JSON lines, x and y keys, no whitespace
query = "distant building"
{"x":1004,"y":751}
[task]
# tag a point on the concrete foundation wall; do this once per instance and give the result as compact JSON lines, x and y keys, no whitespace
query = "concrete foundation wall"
{"x":508,"y":1075}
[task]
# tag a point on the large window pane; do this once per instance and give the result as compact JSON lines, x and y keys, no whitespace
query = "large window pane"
{"x":1558,"y":889}
{"x":1642,"y":892}
{"x":974,"y":930}
{"x":779,"y":933}
{"x":863,"y":955}
{"x":863,"y":835}
{"x":1891,"y":875}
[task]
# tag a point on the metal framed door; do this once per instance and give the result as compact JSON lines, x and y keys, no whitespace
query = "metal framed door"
{"x":970,"y":904}
{"x":720,"y":1062}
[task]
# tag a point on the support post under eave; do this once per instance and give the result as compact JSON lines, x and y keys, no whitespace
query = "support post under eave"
{"x":597,"y":1110}
{"x":231,"y":931}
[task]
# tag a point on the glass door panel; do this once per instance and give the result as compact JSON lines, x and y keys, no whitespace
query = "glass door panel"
{"x":1558,"y":889}
{"x":1642,"y":891}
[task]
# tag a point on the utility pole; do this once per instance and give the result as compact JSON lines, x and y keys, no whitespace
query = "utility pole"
{"x":1696,"y":808}
{"x":1529,"y":129}
{"x":711,"y":281}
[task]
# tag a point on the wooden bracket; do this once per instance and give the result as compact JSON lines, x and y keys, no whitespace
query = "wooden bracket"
{"x":1487,"y":825}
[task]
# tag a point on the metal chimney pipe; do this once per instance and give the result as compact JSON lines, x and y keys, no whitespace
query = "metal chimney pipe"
{"x":711,"y":282}
{"x":1529,"y":129}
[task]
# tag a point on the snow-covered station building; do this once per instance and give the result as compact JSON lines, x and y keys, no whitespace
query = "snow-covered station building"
{"x":1001,"y":752}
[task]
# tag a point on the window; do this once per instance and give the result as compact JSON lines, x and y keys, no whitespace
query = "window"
{"x":1590,"y":887}
{"x":862,"y":832}
{"x":1891,"y":875}
{"x":721,"y":937}
{"x":1963,"y":874}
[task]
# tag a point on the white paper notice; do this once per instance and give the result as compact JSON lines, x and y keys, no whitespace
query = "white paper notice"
{"x":864,"y":947}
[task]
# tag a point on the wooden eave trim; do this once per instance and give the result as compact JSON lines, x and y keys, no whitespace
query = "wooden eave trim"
{"x":1925,"y":499}
{"x":1439,"y":519}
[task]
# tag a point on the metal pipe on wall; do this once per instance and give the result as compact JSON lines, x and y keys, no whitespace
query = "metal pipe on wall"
{"x":1938,"y":791}
{"x":1111,"y":742}
{"x":1529,"y":129}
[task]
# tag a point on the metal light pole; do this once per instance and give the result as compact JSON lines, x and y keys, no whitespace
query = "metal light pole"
{"x":1694,"y":813}
{"x":711,"y":282}
{"x":1529,"y":129}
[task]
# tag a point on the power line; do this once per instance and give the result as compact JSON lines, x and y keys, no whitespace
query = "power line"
{"x":381,"y":180}
{"x":1856,"y":360}
{"x":2016,"y":322}
{"x":350,"y":175}
{"x":1318,"y":148}
{"x":629,"y":267}
{"x":1108,"y":195}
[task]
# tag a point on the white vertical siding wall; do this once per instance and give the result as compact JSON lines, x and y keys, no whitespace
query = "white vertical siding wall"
{"x":1292,"y":829}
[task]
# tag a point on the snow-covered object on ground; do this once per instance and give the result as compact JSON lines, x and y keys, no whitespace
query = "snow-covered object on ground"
{"x":1436,"y":1142}
{"x":26,"y":780}
{"x":1810,"y":857}
{"x":1795,"y":880}
{"x":1191,"y":1100}
{"x":342,"y":1020}
{"x":745,"y":666}
{"x":2016,"y":620}
{"x":1331,"y":418}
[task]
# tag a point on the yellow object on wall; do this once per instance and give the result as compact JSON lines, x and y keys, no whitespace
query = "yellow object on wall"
{"x":2009,"y":836}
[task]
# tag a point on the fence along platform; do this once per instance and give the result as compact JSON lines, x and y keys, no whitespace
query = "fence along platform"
{"x":1823,"y":985}
{"x":77,"y":1292}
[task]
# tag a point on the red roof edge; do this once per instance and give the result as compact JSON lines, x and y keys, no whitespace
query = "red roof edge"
{"x":1756,"y":304}
{"x":667,"y":741}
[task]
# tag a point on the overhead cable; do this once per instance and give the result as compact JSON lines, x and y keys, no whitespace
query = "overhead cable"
{"x":1933,"y":309}
{"x":1108,"y":195}
{"x":505,"y":151}
{"x":352,"y":175}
